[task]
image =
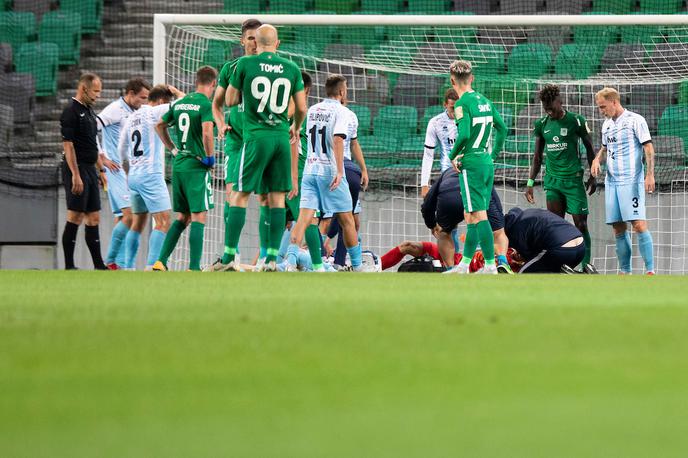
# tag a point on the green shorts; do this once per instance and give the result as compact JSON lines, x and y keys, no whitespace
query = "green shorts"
{"x":294,"y":206}
{"x":265,"y":165}
{"x":476,"y":183}
{"x":192,"y":191}
{"x":232,"y":156}
{"x":569,"y":191}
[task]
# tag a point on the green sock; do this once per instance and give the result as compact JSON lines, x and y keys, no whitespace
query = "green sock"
{"x":313,"y":242}
{"x":196,"y":245}
{"x":278,"y":219}
{"x":236,"y":218}
{"x":171,"y":240}
{"x":264,"y":229}
{"x":470,"y":244}
{"x":225,"y":256}
{"x":486,"y":238}
{"x":588,"y":247}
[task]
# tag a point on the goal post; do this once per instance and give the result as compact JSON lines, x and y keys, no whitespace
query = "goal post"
{"x":397,"y":69}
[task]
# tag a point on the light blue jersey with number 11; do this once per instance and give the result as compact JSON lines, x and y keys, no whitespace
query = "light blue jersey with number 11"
{"x":324,"y":121}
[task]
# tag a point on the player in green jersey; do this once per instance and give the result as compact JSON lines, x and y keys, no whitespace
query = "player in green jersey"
{"x":558,"y":134}
{"x":265,"y":84}
{"x":476,"y":118}
{"x":232,"y":133}
{"x":192,"y":191}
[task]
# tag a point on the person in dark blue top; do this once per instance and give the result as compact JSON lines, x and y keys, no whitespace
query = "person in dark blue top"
{"x":544,"y":240}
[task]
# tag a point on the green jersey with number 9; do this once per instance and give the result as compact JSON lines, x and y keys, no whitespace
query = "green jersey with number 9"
{"x":187,"y":117}
{"x":476,"y":118}
{"x":267,"y":82}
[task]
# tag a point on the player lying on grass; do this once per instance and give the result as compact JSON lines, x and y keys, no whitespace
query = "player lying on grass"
{"x":443,"y":210}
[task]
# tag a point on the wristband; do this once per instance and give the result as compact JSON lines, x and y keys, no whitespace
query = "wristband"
{"x":208,"y":161}
{"x":530,"y":183}
{"x":174,"y":151}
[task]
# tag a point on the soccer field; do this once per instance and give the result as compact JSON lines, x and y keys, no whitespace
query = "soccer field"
{"x":185,"y":364}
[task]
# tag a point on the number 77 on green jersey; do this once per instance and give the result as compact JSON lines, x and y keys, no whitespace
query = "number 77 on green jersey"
{"x":476,"y":117}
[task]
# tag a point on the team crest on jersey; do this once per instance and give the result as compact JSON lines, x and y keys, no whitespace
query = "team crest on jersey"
{"x":458,"y":112}
{"x":564,"y":131}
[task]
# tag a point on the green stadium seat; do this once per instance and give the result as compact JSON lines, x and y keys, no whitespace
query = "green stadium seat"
{"x":504,"y":90}
{"x":41,"y":60}
{"x":382,"y":6}
{"x":599,"y":35}
{"x":645,"y":35}
{"x":202,"y":52}
{"x":507,"y":114}
{"x":63,"y":29}
{"x":363,"y":114}
{"x":429,"y":7}
{"x":302,"y":49}
{"x":613,"y":6}
{"x":489,"y":59}
{"x":529,"y":60}
{"x":379,"y":151}
{"x":430,"y":112}
{"x":339,"y":6}
{"x":17,"y":28}
{"x":413,"y":145}
{"x":368,"y":37}
{"x":396,"y":120}
{"x":683,"y":93}
{"x":674,"y":122}
{"x":578,"y":61}
{"x":244,"y":6}
{"x":518,"y":150}
{"x":91,"y":13}
{"x":660,"y":6}
{"x":288,"y":6}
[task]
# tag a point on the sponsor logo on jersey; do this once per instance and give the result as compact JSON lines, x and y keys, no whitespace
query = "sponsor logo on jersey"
{"x":564,"y":131}
{"x":555,"y":139}
{"x":611,"y":139}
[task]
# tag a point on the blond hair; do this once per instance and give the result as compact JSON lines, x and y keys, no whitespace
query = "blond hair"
{"x":608,"y":93}
{"x":461,"y":70}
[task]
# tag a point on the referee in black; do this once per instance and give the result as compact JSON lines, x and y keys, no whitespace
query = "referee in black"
{"x":82,"y":171}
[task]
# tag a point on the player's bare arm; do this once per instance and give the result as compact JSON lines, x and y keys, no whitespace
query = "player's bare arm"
{"x":591,"y":184}
{"x":162,"y":130}
{"x":208,"y":139}
{"x":535,"y":168}
{"x":601,"y":158}
{"x":338,"y":145}
{"x":70,"y":158}
{"x":101,"y":173}
{"x":218,"y":113}
{"x":357,"y":154}
{"x":232,"y":96}
{"x":300,"y":110}
{"x":649,"y":167}
{"x":295,"y":150}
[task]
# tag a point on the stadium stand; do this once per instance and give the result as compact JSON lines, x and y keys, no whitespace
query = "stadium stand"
{"x":63,"y":29}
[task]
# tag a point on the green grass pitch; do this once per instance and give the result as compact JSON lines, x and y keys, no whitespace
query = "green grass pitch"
{"x":120,"y":364}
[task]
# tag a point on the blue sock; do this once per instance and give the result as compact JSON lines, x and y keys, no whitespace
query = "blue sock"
{"x":154,"y":245}
{"x":501,"y":260}
{"x":293,"y":254}
{"x":355,"y":255}
{"x":455,"y":238}
{"x":623,"y":252}
{"x":131,"y":248}
{"x":115,"y":251}
{"x":645,"y":247}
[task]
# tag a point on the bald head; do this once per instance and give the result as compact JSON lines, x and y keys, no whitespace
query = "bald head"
{"x":266,"y":37}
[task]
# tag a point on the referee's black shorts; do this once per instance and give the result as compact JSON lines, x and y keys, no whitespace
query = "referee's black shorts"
{"x":450,"y":212}
{"x":89,"y":200}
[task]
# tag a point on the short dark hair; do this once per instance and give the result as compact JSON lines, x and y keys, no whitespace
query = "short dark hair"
{"x":136,"y":84}
{"x":307,"y":80}
{"x":549,"y":93}
{"x":88,"y":78}
{"x":206,"y":75}
{"x":332,"y":84}
{"x":450,"y":94}
{"x":160,"y":92}
{"x":250,"y":24}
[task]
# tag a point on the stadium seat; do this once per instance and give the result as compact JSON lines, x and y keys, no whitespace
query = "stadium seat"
{"x":91,"y":13}
{"x":526,"y":117}
{"x":339,"y":6}
{"x":622,"y":57}
{"x":363,"y":114}
{"x":379,"y":151}
{"x":203,"y":52}
{"x":518,"y":149}
{"x":63,"y":29}
{"x":376,"y":93}
{"x":382,"y":6}
{"x":18,"y":91}
{"x":41,"y":60}
{"x":650,"y":113}
{"x":321,"y":35}
{"x":6,"y":127}
{"x":518,"y":6}
{"x":288,"y":6}
{"x":578,"y":61}
{"x":301,"y":49}
{"x":646,"y":35}
{"x":554,"y":37}
{"x":432,"y":56}
{"x":5,"y":57}
{"x":413,"y":145}
{"x":368,"y":37}
{"x":418,"y":91}
{"x":244,"y":6}
{"x":396,"y":120}
{"x":476,"y":6}
{"x":674,"y":122}
{"x":529,"y":60}
{"x":505,"y":90}
{"x":17,"y":28}
{"x":507,"y":114}
{"x":660,"y":6}
{"x":669,"y":151}
{"x":683,"y":93}
{"x":563,"y":7}
{"x":339,"y":51}
{"x":599,"y":35}
{"x":429,"y":7}
{"x":430,"y":112}
{"x":37,"y":7}
{"x":505,"y":37}
{"x":488,"y":59}
{"x":613,"y":6}
{"x":653,"y":95}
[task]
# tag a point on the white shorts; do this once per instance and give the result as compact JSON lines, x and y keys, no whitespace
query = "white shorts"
{"x":624,"y":202}
{"x":118,"y":191}
{"x":149,"y":194}
{"x":316,"y":195}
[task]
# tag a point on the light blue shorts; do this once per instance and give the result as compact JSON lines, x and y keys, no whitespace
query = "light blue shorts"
{"x":149,"y":194}
{"x":118,"y":191}
{"x":316,"y":195}
{"x":625,"y":202}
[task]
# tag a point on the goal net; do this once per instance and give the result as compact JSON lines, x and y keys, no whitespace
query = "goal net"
{"x":397,"y":72}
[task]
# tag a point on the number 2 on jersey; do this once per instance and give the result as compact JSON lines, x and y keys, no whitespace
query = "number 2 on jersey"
{"x":268,"y":93}
{"x":136,"y":137}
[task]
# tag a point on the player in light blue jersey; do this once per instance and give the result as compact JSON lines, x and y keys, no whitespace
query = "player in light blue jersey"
{"x":145,"y":152}
{"x":324,"y":186}
{"x":109,"y":123}
{"x":440,"y":134}
{"x":625,"y":140}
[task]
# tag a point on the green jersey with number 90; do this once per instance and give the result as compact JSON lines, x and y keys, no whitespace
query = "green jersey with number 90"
{"x":187,"y":117}
{"x":267,"y":82}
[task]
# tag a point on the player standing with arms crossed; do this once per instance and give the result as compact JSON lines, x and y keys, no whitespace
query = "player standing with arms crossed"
{"x":192,"y":191}
{"x":557,"y":134}
{"x":265,"y":83}
{"x":625,"y":137}
{"x":476,"y":117}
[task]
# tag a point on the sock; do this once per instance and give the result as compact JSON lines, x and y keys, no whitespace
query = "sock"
{"x":171,"y":240}
{"x":313,"y":243}
{"x":588,"y":247}
{"x":486,"y":241}
{"x":93,"y":244}
{"x":645,"y":247}
{"x":131,"y":248}
{"x":225,"y":255}
{"x":154,"y":246}
{"x":264,"y":230}
{"x":623,"y":252}
{"x":391,"y":258}
{"x":69,"y":243}
{"x":237,"y":219}
{"x":278,"y":219}
{"x":196,"y":245}
{"x":455,"y":239}
{"x":292,"y":254}
{"x":501,"y":260}
{"x":118,"y":235}
{"x":470,"y":244}
{"x":355,"y":255}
